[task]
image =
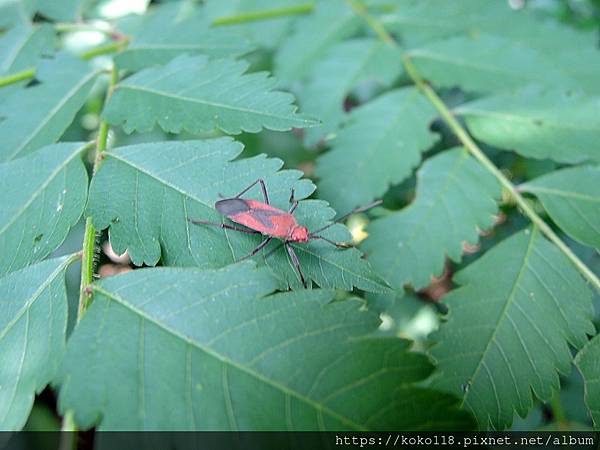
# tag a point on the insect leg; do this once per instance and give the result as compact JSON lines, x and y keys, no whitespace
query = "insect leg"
{"x":222,"y":225}
{"x":293,"y":203}
{"x":262,"y":245}
{"x":263,"y":188}
{"x":345,"y":216}
{"x":296,"y":264}
{"x":343,"y":245}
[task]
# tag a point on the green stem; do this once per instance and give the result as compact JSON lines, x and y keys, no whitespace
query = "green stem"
{"x":558,"y":413}
{"x":90,"y":234}
{"x":474,"y":149}
{"x":88,"y":54}
{"x":105,"y":49}
{"x":264,"y":14}
{"x":68,"y":432}
{"x":16,"y":77}
{"x":68,"y":27}
{"x":375,"y":24}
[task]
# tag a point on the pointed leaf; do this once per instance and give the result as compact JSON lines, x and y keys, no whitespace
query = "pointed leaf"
{"x":572,"y":198}
{"x":369,"y":154}
{"x":33,"y":323}
{"x":164,"y":34}
{"x":198,"y":95}
{"x":588,"y":363}
{"x":509,"y":333}
{"x":39,"y":115}
{"x":346,"y":65}
{"x":455,"y":197}
{"x":21,"y":46}
{"x":206,"y":350}
{"x":538,"y":123}
{"x":331,"y":22}
{"x":486,"y":63}
{"x":42,"y":197}
{"x":146,"y":193}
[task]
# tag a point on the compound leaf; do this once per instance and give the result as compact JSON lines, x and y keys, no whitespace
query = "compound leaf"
{"x":346,"y":64}
{"x":38,"y":115}
{"x":455,"y":197}
{"x":331,"y":22}
{"x":33,"y":323}
{"x":538,"y":123}
{"x":198,"y":95}
{"x":369,"y":154}
{"x":165,"y":34}
{"x":509,"y":333}
{"x":206,"y":350}
{"x":42,"y":196}
{"x":588,"y":363}
{"x":486,"y":63}
{"x":146,"y":193}
{"x":572,"y":198}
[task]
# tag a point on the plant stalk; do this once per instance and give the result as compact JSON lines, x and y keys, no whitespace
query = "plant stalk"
{"x":90,"y":234}
{"x":273,"y":13}
{"x":468,"y":142}
{"x":16,"y":77}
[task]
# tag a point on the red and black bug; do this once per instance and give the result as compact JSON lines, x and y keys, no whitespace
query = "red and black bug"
{"x":262,"y":218}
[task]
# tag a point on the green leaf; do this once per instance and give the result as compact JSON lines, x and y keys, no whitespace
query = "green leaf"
{"x":198,"y":95}
{"x":63,"y":10}
{"x":165,"y":34}
{"x":538,"y":123}
{"x":509,"y":333}
{"x":369,"y":154}
{"x":345,"y":66}
{"x":14,"y":13}
{"x":146,"y":193}
{"x":37,"y":116}
{"x":455,"y":198}
{"x":207,"y":350}
{"x":42,"y":196}
{"x":588,"y":363}
{"x":33,"y":323}
{"x":21,"y":47}
{"x":486,"y":63}
{"x":572,"y":198}
{"x":422,"y":21}
{"x":331,"y":22}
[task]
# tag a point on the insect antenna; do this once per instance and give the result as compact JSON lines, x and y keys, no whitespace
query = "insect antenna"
{"x":314,"y":234}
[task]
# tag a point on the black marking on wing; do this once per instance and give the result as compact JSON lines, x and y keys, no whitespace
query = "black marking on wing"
{"x":232,"y":206}
{"x":264,"y":216}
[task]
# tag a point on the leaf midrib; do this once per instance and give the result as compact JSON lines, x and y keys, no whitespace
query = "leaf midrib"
{"x":17,"y":49}
{"x":212,"y":104}
{"x":225,"y":360}
{"x":35,"y":296}
{"x":531,"y":120}
{"x":559,"y":193}
{"x":70,"y":94}
{"x":503,"y":313}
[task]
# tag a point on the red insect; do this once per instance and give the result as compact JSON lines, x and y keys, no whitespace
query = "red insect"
{"x":262,"y":218}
